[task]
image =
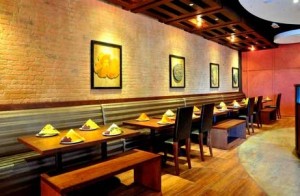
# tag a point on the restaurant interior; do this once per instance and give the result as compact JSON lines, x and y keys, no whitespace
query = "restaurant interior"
{"x":149,"y":97}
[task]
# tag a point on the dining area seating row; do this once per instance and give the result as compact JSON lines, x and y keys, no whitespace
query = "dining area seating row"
{"x":18,"y":160}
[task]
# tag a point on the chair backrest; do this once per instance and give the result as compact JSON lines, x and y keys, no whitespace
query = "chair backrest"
{"x":207,"y":115}
{"x":183,"y":123}
{"x":259,"y":103}
{"x":278,"y":101}
{"x":250,"y":106}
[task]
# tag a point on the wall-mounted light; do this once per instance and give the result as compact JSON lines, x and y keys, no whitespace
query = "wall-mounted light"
{"x":252,"y":48}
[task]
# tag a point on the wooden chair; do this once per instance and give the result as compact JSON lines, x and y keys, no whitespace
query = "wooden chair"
{"x":181,"y":135}
{"x":204,"y":126}
{"x":257,"y":111}
{"x":249,"y":114}
{"x":277,"y":106}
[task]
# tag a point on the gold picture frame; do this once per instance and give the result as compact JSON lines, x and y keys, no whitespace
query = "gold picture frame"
{"x":106,"y":65}
{"x":177,"y":71}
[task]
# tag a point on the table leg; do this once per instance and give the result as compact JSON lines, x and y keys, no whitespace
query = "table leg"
{"x":104,"y":150}
{"x":152,"y":135}
{"x":58,"y":161}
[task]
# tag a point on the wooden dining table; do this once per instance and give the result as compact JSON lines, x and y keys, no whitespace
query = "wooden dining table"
{"x":154,"y":126}
{"x":52,"y":145}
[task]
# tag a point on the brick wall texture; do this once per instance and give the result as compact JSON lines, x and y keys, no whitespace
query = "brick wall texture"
{"x":45,"y":52}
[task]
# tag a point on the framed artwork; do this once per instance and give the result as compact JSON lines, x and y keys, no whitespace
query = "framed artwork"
{"x":106,"y":65}
{"x":177,"y":71}
{"x":214,"y":75}
{"x":235,"y":77}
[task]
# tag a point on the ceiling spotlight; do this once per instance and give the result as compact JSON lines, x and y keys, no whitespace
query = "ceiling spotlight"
{"x":191,"y":4}
{"x":199,"y":21}
{"x":232,"y":38}
{"x":295,"y":1}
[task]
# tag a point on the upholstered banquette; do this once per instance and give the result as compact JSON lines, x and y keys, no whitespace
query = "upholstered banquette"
{"x":20,"y":168}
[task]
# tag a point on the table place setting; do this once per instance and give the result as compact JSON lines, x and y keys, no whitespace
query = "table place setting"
{"x":47,"y":131}
{"x":113,"y":130}
{"x":89,"y":125}
{"x":71,"y":137}
{"x":169,"y":113}
{"x":143,"y":117}
{"x":165,"y":120}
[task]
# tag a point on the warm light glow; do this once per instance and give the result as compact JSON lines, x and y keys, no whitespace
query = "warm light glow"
{"x":199,"y":21}
{"x":191,"y":4}
{"x":252,"y":48}
{"x":232,"y":38}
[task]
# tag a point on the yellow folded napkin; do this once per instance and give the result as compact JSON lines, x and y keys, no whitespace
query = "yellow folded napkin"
{"x":169,"y":113}
{"x":245,"y":101}
{"x":236,"y":104}
{"x":143,"y":117}
{"x":224,"y":108}
{"x":165,"y":119}
{"x":222,"y":104}
{"x":113,"y":130}
{"x":72,"y":137}
{"x":89,"y":124}
{"x":195,"y":109}
{"x":48,"y":129}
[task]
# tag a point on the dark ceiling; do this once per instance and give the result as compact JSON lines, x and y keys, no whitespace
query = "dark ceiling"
{"x":223,"y":21}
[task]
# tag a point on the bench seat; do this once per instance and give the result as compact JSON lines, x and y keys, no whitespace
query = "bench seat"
{"x":268,"y":115}
{"x":226,"y":134}
{"x":147,"y":172}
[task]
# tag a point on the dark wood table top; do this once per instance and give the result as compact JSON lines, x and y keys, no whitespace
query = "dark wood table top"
{"x":51,"y":145}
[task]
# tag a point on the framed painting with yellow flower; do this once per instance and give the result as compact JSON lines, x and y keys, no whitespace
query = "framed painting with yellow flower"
{"x":106,"y":65}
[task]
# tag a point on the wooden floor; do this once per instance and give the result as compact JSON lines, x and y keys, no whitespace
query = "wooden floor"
{"x":221,"y":174}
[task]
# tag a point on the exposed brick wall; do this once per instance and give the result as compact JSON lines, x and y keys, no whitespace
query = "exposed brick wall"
{"x":45,"y":52}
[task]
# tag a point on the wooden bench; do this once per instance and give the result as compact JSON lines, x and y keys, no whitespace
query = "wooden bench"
{"x":268,"y":115}
{"x":147,"y":172}
{"x":226,"y":134}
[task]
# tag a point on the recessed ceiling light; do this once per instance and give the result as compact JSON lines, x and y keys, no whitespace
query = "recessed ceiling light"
{"x":274,"y":25}
{"x":191,"y":4}
{"x":296,"y":1}
{"x":216,"y":19}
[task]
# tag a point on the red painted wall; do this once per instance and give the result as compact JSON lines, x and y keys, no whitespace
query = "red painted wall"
{"x":268,"y":72}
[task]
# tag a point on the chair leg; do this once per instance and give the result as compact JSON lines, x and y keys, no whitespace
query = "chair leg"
{"x":251,"y":121}
{"x":257,"y":120}
{"x":200,"y":138}
{"x":247,"y":124}
{"x":187,"y":151}
{"x":175,"y":153}
{"x":209,"y":143}
{"x":259,"y":116}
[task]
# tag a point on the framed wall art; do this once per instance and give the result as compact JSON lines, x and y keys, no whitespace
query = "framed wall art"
{"x":214,"y":75}
{"x":235,"y":77}
{"x":177,"y":71}
{"x":106,"y":65}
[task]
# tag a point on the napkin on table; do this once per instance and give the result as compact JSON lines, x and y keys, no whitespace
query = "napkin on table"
{"x":72,"y":136}
{"x":90,"y":124}
{"x":48,"y":129}
{"x":169,"y":113}
{"x":143,"y":116}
